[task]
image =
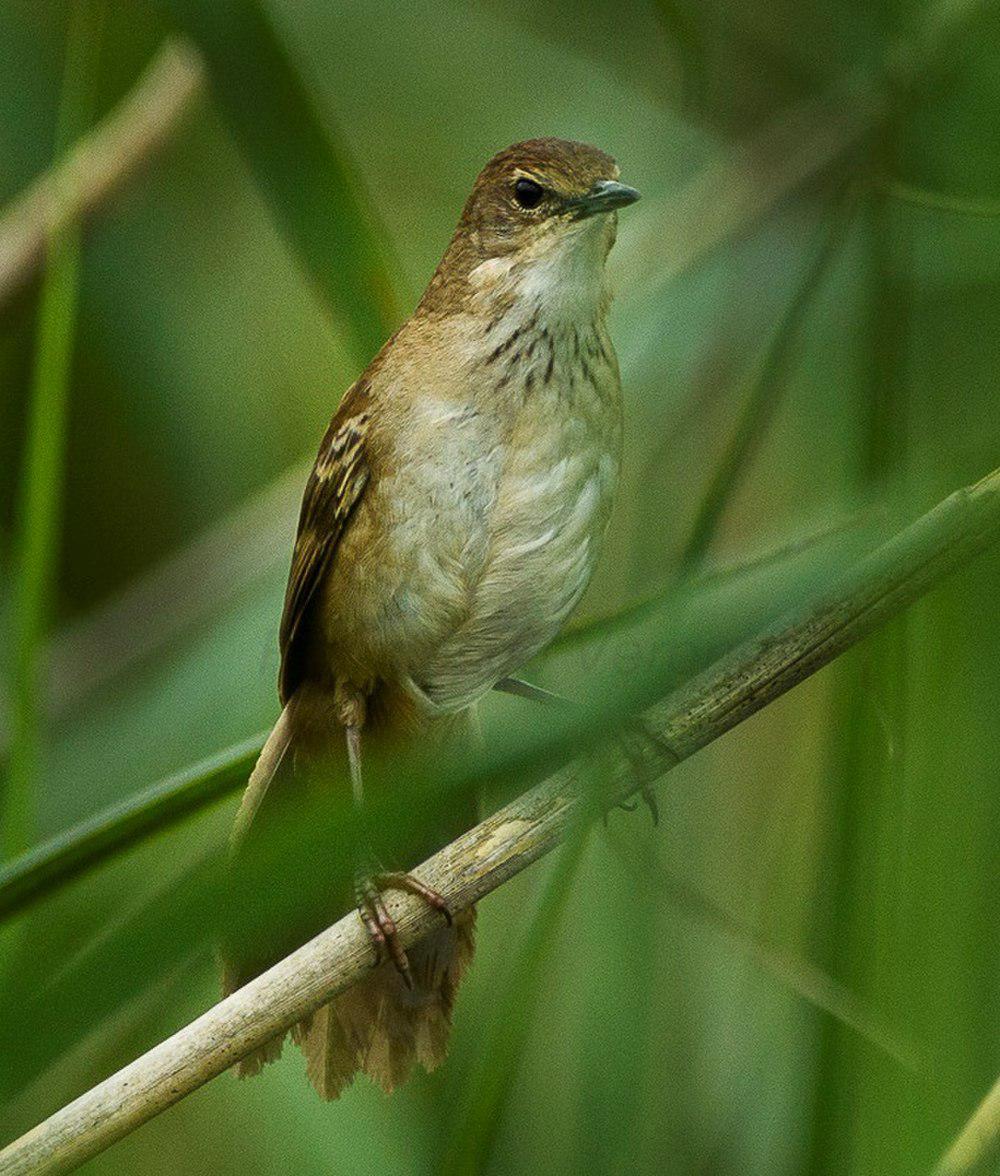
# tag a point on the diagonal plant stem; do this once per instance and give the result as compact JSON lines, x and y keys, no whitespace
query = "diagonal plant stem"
{"x":956,"y":205}
{"x":96,"y":168}
{"x":300,"y":164}
{"x":876,"y":589}
{"x":767,"y":384}
{"x":65,"y":856}
{"x":805,"y":980}
{"x":977,"y":1148}
{"x":94,"y":840}
{"x":42,"y":476}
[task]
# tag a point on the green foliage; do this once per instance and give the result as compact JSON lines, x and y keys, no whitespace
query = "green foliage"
{"x":297,"y":159}
{"x":30,"y":876}
{"x":41,"y":479}
{"x":796,"y":972}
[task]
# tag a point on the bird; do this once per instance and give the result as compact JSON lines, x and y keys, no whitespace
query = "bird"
{"x":451,"y":523}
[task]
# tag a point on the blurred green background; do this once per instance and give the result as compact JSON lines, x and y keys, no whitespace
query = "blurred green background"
{"x":798,"y":971}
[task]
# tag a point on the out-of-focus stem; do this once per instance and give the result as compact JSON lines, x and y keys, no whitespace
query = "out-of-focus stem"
{"x":37,"y":542}
{"x":96,"y":168}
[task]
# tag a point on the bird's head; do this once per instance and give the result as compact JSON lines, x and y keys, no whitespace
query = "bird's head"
{"x":540,"y":193}
{"x":542,"y":214}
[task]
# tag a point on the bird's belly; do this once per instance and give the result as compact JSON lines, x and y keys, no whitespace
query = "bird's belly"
{"x":544,"y":534}
{"x":488,"y":525}
{"x":400,"y":583}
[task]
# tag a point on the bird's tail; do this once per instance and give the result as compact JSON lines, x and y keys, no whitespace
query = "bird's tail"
{"x":378,"y":1027}
{"x":382,"y":1028}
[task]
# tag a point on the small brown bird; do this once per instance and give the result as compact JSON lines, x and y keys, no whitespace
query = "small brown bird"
{"x":450,"y":524}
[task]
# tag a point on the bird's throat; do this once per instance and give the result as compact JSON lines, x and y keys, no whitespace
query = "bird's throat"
{"x":557,"y":283}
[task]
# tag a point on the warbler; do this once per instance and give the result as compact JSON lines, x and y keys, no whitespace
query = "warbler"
{"x":451,"y":523}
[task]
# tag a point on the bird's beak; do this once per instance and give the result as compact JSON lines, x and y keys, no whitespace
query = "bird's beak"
{"x":604,"y":196}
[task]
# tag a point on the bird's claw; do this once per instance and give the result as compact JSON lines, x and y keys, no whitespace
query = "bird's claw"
{"x":633,"y":739}
{"x":381,"y":926}
{"x":648,"y":798}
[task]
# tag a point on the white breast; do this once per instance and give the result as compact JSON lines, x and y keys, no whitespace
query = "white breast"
{"x":558,"y":470}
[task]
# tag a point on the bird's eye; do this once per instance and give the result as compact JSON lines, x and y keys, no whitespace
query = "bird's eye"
{"x":527,"y":193}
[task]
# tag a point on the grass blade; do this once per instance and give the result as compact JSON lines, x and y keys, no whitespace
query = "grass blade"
{"x":809,"y":983}
{"x":766,"y":388}
{"x":704,"y":620}
{"x":942,"y":201}
{"x":977,"y":1147}
{"x":56,"y":862}
{"x":100,"y":165}
{"x":300,"y":166}
{"x":41,"y":482}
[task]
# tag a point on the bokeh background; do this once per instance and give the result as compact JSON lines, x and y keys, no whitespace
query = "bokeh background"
{"x":797,"y":971}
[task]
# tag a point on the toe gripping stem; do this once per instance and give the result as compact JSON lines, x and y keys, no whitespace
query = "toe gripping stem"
{"x":380,"y":925}
{"x":634,"y":740}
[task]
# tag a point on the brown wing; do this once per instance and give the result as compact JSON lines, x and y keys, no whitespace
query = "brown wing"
{"x":334,"y":487}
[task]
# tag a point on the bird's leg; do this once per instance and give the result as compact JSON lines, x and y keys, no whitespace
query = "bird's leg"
{"x":369,"y":882}
{"x":521,"y":689}
{"x":630,"y":737}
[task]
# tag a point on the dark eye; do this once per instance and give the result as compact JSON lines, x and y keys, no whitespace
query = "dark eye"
{"x":527,"y":193}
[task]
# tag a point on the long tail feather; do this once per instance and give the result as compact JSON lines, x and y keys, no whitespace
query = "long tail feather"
{"x":378,"y":1027}
{"x":271,"y":757}
{"x":381,"y":1028}
{"x":268,"y":763}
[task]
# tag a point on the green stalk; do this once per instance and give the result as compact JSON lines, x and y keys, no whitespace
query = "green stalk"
{"x":91,"y":842}
{"x":37,"y":541}
{"x":79,"y":848}
{"x":767,"y":385}
{"x":486,"y":1087}
{"x":854,"y":1090}
{"x":299,"y":161}
{"x":942,"y":201}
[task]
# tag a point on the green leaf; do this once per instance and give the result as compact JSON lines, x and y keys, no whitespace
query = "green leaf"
{"x":299,"y":163}
{"x":315,"y":840}
{"x":83,"y":846}
{"x":694,"y":625}
{"x":767,"y":385}
{"x":42,"y":477}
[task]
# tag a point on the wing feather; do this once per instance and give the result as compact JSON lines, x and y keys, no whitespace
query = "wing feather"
{"x":334,"y":487}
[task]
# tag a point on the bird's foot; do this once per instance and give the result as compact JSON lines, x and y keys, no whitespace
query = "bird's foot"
{"x":381,"y":926}
{"x":648,"y":798}
{"x":635,"y":741}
